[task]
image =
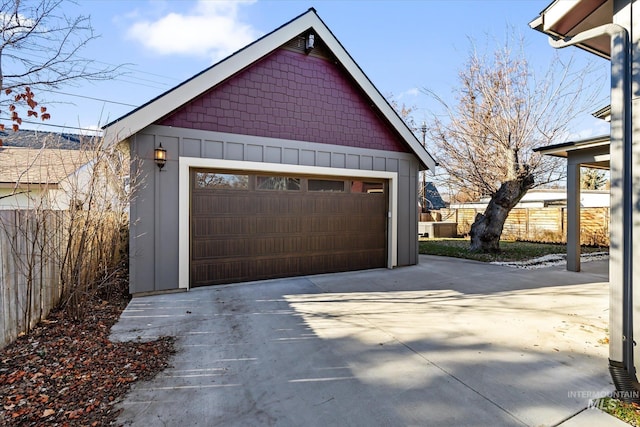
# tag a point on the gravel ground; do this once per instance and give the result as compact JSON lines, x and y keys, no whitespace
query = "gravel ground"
{"x":550,"y":260}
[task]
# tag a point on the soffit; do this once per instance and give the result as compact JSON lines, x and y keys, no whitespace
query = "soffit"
{"x":566,"y":18}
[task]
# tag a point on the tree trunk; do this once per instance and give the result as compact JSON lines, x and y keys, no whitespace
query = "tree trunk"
{"x":487,"y":228}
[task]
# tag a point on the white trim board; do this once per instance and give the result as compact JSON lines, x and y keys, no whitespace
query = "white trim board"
{"x":186,"y":163}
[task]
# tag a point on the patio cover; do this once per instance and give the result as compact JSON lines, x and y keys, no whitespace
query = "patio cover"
{"x":593,"y":153}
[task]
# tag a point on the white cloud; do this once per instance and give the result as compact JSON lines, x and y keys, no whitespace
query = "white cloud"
{"x":12,"y":25}
{"x":414,"y":91}
{"x":209,"y":29}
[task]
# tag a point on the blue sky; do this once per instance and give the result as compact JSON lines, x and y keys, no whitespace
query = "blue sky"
{"x":402,"y":46}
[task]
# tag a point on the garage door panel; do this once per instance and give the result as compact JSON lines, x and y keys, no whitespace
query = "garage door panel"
{"x":242,"y":246}
{"x":229,"y":202}
{"x":375,"y":223}
{"x":277,"y":225}
{"x":213,"y":226}
{"x":224,"y":272}
{"x":264,"y":268}
{"x":324,"y":205}
{"x":276,"y":245}
{"x":248,"y":234}
{"x":296,"y":206}
{"x":211,"y":249}
{"x":321,"y":242}
{"x":267,"y":204}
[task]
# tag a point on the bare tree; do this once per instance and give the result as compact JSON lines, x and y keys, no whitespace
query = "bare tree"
{"x":503,"y":110}
{"x":40,"y":49}
{"x":593,"y":179}
{"x":405,"y":112}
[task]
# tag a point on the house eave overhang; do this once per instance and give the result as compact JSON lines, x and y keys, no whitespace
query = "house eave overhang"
{"x":563,"y":149}
{"x":604,"y":113}
{"x":564,"y":19}
{"x":591,"y":152}
{"x":138,"y":119}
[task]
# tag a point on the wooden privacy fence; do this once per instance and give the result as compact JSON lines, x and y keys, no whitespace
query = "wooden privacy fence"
{"x":540,"y":224}
{"x":48,"y":255}
{"x":30,"y":285}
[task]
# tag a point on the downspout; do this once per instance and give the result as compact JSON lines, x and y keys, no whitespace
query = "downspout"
{"x":622,"y":372}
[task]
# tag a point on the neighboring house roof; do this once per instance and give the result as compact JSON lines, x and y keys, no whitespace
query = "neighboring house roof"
{"x":565,"y":19}
{"x":38,"y":166}
{"x":149,"y":113}
{"x":434,"y":200}
{"x":545,"y":197}
{"x":38,"y":139}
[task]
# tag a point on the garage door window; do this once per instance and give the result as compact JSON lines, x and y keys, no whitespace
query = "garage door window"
{"x":367,"y":187}
{"x":223,"y":181}
{"x":278,"y":183}
{"x":326,"y":185}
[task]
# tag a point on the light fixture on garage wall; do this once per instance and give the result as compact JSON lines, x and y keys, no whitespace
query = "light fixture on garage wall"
{"x":160,"y":156}
{"x":310,"y":43}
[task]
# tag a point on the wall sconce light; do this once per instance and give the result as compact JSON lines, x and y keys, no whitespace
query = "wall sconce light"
{"x":160,"y":156}
{"x":310,"y":43}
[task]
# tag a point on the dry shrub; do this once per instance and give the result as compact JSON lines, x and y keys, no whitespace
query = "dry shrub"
{"x":77,"y":224}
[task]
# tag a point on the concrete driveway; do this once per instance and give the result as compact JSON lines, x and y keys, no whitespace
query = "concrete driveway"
{"x":446,"y":343}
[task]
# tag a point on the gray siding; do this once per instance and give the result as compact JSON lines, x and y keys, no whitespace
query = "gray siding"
{"x":154,"y":206}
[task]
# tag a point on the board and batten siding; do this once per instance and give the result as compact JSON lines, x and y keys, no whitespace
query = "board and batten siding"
{"x":155,"y":241}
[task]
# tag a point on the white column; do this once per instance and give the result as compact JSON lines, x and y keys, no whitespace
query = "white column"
{"x":573,"y":215}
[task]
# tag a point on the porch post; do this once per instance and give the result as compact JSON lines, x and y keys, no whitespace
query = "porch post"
{"x":573,"y":214}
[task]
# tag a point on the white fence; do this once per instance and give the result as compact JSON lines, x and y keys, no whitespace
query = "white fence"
{"x":30,"y":277}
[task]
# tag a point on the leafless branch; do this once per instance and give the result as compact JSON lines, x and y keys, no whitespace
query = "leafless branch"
{"x":41,"y":47}
{"x":503,"y":110}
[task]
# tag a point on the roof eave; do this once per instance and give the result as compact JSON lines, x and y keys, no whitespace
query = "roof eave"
{"x":562,"y":19}
{"x":604,"y":113}
{"x":563,"y":149}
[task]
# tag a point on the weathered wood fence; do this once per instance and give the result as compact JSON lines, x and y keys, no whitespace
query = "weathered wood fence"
{"x":30,"y":285}
{"x":540,"y":224}
{"x":46,"y":256}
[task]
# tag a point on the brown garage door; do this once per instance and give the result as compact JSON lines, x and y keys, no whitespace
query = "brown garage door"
{"x":259,"y":226}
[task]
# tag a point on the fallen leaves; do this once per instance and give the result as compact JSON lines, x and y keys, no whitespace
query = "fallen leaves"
{"x":69,"y":373}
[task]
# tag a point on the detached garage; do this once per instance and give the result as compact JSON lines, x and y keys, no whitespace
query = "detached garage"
{"x":281,"y":160}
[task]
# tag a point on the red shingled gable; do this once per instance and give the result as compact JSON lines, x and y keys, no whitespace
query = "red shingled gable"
{"x":290,"y":95}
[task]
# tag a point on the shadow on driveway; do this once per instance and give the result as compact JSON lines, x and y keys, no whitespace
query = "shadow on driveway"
{"x":447,"y":342}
